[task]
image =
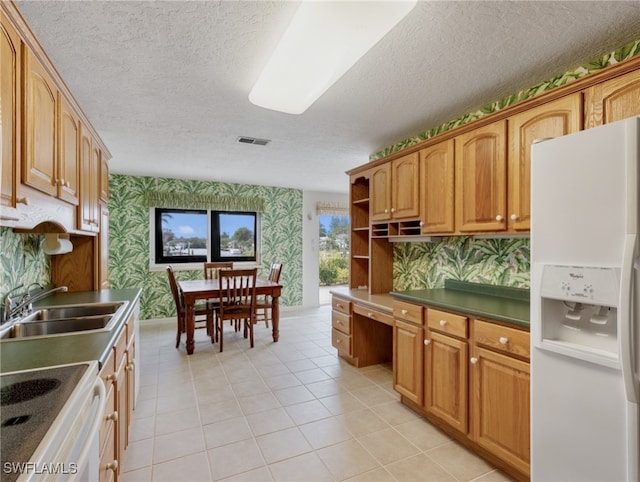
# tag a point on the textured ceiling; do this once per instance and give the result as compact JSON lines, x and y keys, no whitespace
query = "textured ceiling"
{"x":166,"y":83}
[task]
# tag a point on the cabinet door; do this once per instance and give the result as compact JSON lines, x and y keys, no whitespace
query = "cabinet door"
{"x":90,"y":164}
{"x":381,"y":193}
{"x":104,"y":180}
{"x":405,"y":187}
{"x":500,"y":406}
{"x":69,"y":153}
{"x":613,"y":100}
{"x":554,"y":119}
{"x":40,"y":131}
{"x":436,"y":181}
{"x":123,"y":422}
{"x":481,"y":179}
{"x":103,"y":268}
{"x":445,"y":379}
{"x":9,"y":113}
{"x":407,"y":360}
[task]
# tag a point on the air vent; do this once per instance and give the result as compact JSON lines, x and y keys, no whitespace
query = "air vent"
{"x":253,"y":140}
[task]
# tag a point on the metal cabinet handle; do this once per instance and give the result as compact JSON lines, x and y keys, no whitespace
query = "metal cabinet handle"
{"x":514,"y":217}
{"x":499,"y":218}
{"x":393,"y":210}
{"x":473,"y":360}
{"x":503,"y":340}
{"x":443,"y":322}
{"x":404,"y":312}
{"x":113,"y":466}
{"x":426,"y":342}
{"x":23,"y":200}
{"x":112,"y":416}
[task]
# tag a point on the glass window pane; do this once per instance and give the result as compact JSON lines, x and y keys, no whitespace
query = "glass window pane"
{"x":237,"y":235}
{"x":184,"y":233}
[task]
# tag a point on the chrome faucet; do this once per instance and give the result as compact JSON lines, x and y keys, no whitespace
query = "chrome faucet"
{"x":25,"y":304}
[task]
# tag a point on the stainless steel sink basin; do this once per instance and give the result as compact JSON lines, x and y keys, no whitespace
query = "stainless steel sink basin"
{"x":24,"y":329}
{"x":57,"y":320}
{"x":73,"y":311}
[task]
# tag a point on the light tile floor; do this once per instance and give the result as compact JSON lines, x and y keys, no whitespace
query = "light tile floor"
{"x":286,"y":411}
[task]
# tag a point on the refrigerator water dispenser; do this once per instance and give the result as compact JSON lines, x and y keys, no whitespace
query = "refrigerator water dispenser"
{"x":579,"y":313}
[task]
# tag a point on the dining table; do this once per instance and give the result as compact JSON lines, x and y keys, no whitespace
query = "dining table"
{"x":204,"y":289}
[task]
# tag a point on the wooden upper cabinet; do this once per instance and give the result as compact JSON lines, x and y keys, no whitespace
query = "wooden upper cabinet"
{"x":612,"y":100}
{"x":68,"y":172}
{"x":9,"y":113}
{"x":405,"y":187}
{"x":554,"y":119}
{"x":380,"y":189}
{"x":437,"y":188}
{"x":104,"y":179}
{"x":40,"y":127}
{"x":481,"y":179}
{"x":88,"y":209}
{"x":395,"y":189}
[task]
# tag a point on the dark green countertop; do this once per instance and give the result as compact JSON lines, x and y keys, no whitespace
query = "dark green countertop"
{"x":26,"y":353}
{"x":510,"y":305}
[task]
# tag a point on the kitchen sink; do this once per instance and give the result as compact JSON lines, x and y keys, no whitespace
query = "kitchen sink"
{"x":73,"y":311}
{"x":23,"y":329}
{"x":57,"y":320}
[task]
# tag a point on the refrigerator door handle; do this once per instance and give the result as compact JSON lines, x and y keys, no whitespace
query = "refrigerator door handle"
{"x":627,"y":307}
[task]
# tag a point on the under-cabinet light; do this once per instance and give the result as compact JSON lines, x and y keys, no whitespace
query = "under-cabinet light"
{"x":322,"y":42}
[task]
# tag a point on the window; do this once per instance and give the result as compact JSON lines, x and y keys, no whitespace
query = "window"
{"x":194,"y":236}
{"x":233,"y":236}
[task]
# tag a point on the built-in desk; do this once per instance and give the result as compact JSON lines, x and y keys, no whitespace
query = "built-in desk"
{"x":362,"y":326}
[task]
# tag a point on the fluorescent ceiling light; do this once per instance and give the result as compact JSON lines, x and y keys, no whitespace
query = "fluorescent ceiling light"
{"x":322,"y":42}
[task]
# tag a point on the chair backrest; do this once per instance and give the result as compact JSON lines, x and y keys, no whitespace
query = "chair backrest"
{"x":274,"y":272}
{"x":237,"y":290}
{"x":211,"y":269}
{"x":175,"y":291}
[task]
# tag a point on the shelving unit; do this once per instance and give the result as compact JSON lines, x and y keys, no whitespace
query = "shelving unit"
{"x":371,"y":263}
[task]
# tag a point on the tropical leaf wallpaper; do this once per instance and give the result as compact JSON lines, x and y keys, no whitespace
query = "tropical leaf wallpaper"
{"x":23,"y":261}
{"x":281,"y":232}
{"x":495,"y":261}
{"x":503,"y":262}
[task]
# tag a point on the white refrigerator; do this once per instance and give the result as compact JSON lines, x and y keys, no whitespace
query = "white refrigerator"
{"x":585,"y":303}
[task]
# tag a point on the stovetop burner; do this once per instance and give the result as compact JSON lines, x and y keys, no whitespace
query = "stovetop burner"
{"x":30,"y":401}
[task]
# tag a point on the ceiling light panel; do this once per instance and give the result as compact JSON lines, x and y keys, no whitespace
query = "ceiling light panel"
{"x":322,"y":42}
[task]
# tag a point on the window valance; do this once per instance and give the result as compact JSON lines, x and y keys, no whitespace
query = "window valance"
{"x":157,"y":199}
{"x":324,"y":208}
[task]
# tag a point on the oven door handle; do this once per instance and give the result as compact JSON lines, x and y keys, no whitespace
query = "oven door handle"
{"x":99,"y":392}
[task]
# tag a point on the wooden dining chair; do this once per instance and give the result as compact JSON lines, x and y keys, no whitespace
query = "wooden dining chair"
{"x":211,"y":270}
{"x":181,"y":311}
{"x":237,"y":300}
{"x":263,"y":303}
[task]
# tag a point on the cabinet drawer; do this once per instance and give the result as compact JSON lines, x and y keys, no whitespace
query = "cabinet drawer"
{"x":130,"y":329}
{"x":385,"y":318}
{"x":342,"y":342}
{"x":408,"y":312}
{"x":120,"y":347}
{"x":501,"y":338}
{"x":341,"y":322}
{"x":108,"y":419}
{"x":108,"y":461}
{"x":445,"y":322}
{"x":340,"y":304}
{"x":107,"y":373}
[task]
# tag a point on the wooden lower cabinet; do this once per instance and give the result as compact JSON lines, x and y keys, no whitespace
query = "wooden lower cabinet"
{"x":446,"y":378}
{"x":407,"y":360}
{"x":118,"y":375}
{"x":470,"y":378}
